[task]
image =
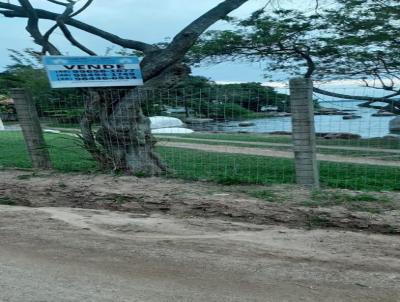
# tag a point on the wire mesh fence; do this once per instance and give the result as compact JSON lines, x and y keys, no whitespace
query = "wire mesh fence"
{"x":230,"y":136}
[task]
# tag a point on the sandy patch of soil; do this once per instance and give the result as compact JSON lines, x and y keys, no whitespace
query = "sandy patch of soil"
{"x":180,"y":199}
{"x":70,"y":254}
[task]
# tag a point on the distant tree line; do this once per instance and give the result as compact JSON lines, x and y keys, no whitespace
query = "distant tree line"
{"x":199,"y":95}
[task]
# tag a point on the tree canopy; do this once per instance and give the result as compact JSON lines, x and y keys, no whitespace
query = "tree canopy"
{"x":353,"y":40}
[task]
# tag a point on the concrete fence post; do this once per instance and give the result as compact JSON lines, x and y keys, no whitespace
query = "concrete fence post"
{"x":303,"y":133}
{"x":29,"y":121}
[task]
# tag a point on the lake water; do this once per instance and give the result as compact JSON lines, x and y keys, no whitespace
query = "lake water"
{"x":368,"y":126}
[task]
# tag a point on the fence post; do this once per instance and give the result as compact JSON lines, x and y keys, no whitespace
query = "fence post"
{"x":303,"y":133}
{"x":29,"y":121}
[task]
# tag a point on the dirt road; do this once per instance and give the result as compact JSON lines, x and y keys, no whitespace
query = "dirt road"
{"x":64,"y":254}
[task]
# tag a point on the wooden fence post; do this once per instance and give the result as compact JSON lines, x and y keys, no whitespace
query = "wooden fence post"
{"x":29,"y":121}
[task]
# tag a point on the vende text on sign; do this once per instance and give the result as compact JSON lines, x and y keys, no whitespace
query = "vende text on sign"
{"x":70,"y":72}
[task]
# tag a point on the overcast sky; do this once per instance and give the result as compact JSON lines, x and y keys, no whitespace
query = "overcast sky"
{"x":146,"y":20}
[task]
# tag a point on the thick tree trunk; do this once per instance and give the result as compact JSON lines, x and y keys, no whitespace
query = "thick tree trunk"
{"x":126,"y":137}
{"x":123,"y":142}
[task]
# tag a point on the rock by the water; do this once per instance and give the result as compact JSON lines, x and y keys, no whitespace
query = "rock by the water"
{"x":394,"y":124}
{"x":280,"y":114}
{"x":340,"y":135}
{"x":246,"y":124}
{"x":383,"y":114}
{"x":198,"y":120}
{"x":168,"y":125}
{"x":351,"y":117}
{"x":330,"y":111}
{"x":52,"y":131}
{"x":172,"y":130}
{"x":327,"y":110}
{"x":280,"y":133}
{"x":158,"y":122}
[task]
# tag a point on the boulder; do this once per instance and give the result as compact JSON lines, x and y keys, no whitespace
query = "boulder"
{"x":280,"y":133}
{"x":172,"y":130}
{"x":394,"y":124}
{"x":330,"y":111}
{"x":174,"y":110}
{"x":383,"y":114}
{"x":158,"y":122}
{"x":351,"y":117}
{"x":327,"y":110}
{"x":341,"y":135}
{"x":51,"y":131}
{"x":282,"y":114}
{"x":246,"y":124}
{"x":198,"y":120}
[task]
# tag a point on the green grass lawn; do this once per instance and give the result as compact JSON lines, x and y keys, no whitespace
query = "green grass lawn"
{"x":67,"y":155}
{"x":66,"y":152}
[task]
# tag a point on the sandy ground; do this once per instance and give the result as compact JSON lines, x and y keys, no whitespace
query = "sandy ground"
{"x":65,"y":254}
{"x":289,"y":146}
{"x":277,"y":153}
{"x":200,"y":199}
{"x":105,"y":238}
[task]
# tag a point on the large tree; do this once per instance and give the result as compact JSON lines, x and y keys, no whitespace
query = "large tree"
{"x":124,"y":141}
{"x":354,"y":40}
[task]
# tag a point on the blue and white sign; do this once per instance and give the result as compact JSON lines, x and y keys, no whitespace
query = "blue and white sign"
{"x":70,"y":72}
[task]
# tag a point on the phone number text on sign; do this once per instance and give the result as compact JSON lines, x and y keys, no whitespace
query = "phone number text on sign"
{"x":70,"y":72}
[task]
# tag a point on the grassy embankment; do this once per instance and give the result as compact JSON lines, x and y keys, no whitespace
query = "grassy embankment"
{"x":68,"y":155}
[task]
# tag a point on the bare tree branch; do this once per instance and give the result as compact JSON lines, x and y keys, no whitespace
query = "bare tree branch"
{"x":385,"y":99}
{"x":83,"y":8}
{"x":58,"y":2}
{"x":15,"y":11}
{"x":33,"y":28}
{"x":185,"y":39}
{"x":69,"y":11}
{"x":156,"y":60}
{"x":74,"y":42}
